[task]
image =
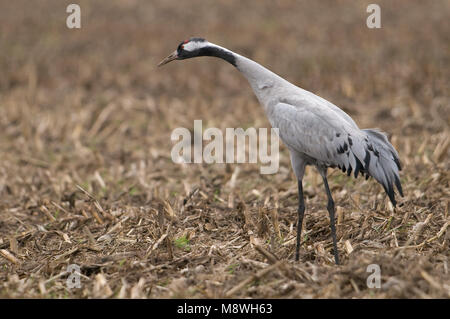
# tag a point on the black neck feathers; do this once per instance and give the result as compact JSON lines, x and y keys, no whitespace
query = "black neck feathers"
{"x":218,"y":52}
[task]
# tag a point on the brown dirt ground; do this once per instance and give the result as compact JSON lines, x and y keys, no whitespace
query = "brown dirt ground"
{"x":86,"y":176}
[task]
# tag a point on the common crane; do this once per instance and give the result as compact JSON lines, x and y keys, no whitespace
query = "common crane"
{"x":315,"y":131}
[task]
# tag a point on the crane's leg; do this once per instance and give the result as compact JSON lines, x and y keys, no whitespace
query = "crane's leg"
{"x":299,"y":164}
{"x":330,"y":208}
{"x":301,"y":212}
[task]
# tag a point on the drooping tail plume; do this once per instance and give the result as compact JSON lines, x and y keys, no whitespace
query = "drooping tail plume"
{"x":383,"y":162}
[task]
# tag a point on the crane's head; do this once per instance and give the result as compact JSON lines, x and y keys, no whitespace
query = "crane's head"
{"x":187,"y":49}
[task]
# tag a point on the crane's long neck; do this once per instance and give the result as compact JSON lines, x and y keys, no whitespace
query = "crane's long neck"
{"x":248,"y":67}
{"x":219,"y":52}
{"x":258,"y":76}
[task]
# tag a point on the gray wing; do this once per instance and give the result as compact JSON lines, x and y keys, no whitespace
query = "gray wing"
{"x":323,"y":104}
{"x":320,"y":133}
{"x":323,"y":135}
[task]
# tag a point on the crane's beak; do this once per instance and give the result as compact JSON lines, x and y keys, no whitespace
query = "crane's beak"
{"x":171,"y":57}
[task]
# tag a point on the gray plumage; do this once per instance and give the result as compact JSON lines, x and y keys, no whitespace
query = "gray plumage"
{"x":319,"y":133}
{"x":315,"y":131}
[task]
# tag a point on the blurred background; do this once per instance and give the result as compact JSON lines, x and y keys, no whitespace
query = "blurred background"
{"x":89,"y":107}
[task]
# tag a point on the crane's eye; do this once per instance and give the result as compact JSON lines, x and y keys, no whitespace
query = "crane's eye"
{"x":181,"y":46}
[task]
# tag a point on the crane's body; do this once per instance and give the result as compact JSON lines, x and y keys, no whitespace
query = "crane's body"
{"x":315,"y":131}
